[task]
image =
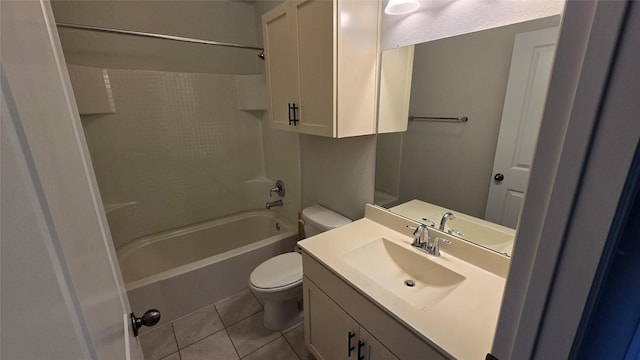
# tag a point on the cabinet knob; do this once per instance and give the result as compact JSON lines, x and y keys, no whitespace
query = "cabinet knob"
{"x":498,"y":177}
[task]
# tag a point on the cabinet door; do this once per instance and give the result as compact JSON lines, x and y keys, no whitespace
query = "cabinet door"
{"x":372,"y":349}
{"x":281,"y":64}
{"x":315,"y":41}
{"x":330,"y":334}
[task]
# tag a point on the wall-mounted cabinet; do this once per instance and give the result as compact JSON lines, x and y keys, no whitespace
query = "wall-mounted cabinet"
{"x":322,"y":64}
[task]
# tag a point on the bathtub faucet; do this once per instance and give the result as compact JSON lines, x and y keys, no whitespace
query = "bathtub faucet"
{"x":271,"y":204}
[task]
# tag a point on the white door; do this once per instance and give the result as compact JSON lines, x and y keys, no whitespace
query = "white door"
{"x":62,"y":293}
{"x":524,"y":101}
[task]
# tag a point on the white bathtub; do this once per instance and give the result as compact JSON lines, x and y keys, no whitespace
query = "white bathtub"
{"x":180,"y":271}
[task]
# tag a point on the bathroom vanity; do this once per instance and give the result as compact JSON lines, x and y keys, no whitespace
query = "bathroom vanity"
{"x":370,"y":294}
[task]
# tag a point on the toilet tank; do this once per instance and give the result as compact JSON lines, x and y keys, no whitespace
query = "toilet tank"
{"x":319,"y":219}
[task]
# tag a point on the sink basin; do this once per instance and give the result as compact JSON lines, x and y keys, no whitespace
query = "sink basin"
{"x":493,"y":238}
{"x":401,"y":270}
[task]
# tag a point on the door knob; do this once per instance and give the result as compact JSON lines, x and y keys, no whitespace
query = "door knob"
{"x":149,"y":318}
{"x":498,"y":177}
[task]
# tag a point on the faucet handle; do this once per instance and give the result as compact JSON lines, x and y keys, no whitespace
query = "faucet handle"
{"x":435,"y":250}
{"x":278,"y":189}
{"x":455,"y":232}
{"x":418,"y":235}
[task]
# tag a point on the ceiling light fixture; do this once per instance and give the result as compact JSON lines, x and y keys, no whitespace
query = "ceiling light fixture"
{"x":401,"y":7}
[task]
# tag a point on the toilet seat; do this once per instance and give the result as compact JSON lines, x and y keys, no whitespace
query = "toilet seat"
{"x":278,"y":273}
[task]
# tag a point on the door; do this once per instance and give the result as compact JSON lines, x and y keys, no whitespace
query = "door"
{"x":330,"y":333}
{"x":524,"y":101}
{"x":51,"y":181}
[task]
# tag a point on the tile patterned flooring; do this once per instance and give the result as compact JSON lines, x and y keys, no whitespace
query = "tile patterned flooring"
{"x":229,"y":329}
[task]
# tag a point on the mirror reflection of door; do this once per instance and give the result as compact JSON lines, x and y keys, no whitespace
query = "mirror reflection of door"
{"x":529,"y":75}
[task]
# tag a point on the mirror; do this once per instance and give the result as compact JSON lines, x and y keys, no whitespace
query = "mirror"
{"x":495,"y":78}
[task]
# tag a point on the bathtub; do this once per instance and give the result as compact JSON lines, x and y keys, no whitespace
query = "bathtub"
{"x":180,"y":271}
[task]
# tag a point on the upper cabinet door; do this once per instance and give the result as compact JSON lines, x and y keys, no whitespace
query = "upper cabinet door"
{"x":281,"y":65}
{"x":358,"y":62}
{"x":324,"y":55}
{"x":315,"y":41}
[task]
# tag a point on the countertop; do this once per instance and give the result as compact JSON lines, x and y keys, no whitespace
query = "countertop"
{"x":462,"y":325}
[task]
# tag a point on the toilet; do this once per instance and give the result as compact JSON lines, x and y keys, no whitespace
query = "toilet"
{"x":277,"y":282}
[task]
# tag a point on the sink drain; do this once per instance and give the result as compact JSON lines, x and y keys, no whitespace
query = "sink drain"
{"x":409,"y":283}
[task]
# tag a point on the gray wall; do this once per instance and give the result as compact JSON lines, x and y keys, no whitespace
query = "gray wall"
{"x":338,"y":173}
{"x":450,"y":164}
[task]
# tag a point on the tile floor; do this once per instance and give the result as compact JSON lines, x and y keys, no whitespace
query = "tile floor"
{"x":229,"y":329}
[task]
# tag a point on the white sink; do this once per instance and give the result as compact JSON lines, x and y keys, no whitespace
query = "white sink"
{"x":493,"y":238}
{"x":393,"y":266}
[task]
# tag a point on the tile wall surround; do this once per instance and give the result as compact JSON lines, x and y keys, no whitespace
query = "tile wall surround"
{"x":229,"y":329}
{"x":178,"y":150}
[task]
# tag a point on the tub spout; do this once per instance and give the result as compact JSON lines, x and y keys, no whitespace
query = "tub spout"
{"x":271,"y":204}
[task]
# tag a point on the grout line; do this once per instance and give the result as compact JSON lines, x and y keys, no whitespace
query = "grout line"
{"x":264,"y":346}
{"x":244,"y":318}
{"x":198,"y":339}
{"x":291,"y":346}
{"x":232,"y":342}
{"x":292,"y":327}
{"x":235,"y":348}
{"x":225,"y":330}
{"x":175,"y":338}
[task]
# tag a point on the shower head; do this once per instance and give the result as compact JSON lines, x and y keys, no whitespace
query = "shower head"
{"x":261,"y":55}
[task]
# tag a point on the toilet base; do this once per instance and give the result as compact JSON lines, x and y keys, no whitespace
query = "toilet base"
{"x":279,"y":315}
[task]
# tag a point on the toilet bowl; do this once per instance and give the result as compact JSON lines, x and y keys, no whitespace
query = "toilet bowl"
{"x":277,"y":282}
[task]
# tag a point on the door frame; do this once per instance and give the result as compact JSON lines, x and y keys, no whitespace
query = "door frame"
{"x":575,"y":187}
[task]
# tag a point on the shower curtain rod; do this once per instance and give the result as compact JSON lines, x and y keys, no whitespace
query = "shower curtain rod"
{"x":154,"y":35}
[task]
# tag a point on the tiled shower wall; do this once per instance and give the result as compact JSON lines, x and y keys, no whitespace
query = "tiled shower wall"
{"x":176,"y":151}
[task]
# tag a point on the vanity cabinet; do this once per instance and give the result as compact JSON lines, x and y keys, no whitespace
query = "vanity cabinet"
{"x":333,"y":334}
{"x":321,"y":61}
{"x":338,"y":318}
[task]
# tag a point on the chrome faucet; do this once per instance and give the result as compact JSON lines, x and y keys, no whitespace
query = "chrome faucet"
{"x":278,"y":189}
{"x":419,"y":234}
{"x":447,"y":216}
{"x":421,"y":240}
{"x":435,"y":247}
{"x":271,"y":204}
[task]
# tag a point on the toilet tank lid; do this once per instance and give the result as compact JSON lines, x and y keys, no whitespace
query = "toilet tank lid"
{"x":323,"y":218}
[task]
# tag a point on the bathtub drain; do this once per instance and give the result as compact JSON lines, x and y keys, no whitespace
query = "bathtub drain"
{"x":409,"y":283}
{"x":278,"y":226}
